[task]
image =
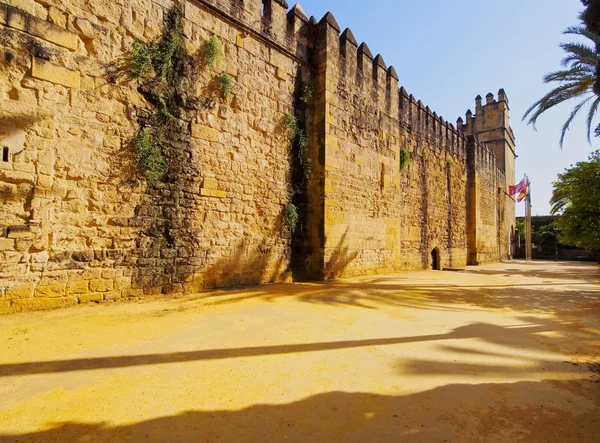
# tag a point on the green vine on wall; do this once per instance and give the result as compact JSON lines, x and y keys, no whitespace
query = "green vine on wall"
{"x":165,"y":72}
{"x":139,"y":60}
{"x":292,"y":217}
{"x":213,"y":51}
{"x":306,"y":93}
{"x":150,"y":161}
{"x":405,"y":158}
{"x":225,"y":85}
{"x":159,"y":56}
{"x":298,"y":140}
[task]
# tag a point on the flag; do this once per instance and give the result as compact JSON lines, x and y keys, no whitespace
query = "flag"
{"x":523,"y":190}
{"x":520,"y":188}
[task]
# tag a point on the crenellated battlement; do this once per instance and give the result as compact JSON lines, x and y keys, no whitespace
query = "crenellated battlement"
{"x":270,"y":19}
{"x":428,"y":125}
{"x":492,"y":125}
{"x":358,"y":66}
{"x":296,"y":32}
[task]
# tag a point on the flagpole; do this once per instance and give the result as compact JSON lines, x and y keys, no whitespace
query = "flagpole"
{"x":529,"y":224}
{"x":526,"y":231}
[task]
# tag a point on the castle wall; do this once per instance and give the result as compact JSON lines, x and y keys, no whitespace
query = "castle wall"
{"x":78,"y":224}
{"x":380,"y":217}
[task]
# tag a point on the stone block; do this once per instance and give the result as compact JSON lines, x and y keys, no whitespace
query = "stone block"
{"x":280,"y":74}
{"x":19,"y":232}
{"x":7,"y":244}
{"x":77,"y":287}
{"x":52,"y":33}
{"x":57,"y":17}
{"x":112,"y":295}
{"x":38,"y":304}
{"x":3,"y":9}
{"x":45,"y":70}
{"x":56,"y":289}
{"x":90,"y":297}
{"x":239,"y":41}
{"x":205,"y":133}
{"x":212,"y":193}
{"x":209,"y":183}
{"x":23,"y":290}
{"x":16,"y":19}
{"x":101,"y":285}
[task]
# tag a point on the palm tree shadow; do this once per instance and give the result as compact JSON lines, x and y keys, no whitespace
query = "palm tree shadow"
{"x":480,"y":411}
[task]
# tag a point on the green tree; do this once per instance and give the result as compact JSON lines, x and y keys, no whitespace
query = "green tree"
{"x":577,"y":80}
{"x":576,"y":198}
{"x":591,"y":15}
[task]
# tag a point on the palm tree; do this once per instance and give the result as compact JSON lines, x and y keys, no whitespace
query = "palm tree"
{"x":577,"y":81}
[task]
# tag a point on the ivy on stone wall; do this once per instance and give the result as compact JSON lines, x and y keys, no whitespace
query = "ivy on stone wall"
{"x":404,"y":159}
{"x":307,"y":93}
{"x":150,"y":161}
{"x":165,"y":71}
{"x":292,"y":217}
{"x":225,"y":85}
{"x":298,"y":141}
{"x":213,"y":51}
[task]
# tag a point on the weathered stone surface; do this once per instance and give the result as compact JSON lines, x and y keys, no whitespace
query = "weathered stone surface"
{"x":45,"y":70}
{"x":205,"y":133}
{"x":91,"y":297}
{"x":52,"y":33}
{"x":38,"y":304}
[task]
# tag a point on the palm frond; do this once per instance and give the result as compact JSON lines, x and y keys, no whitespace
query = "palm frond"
{"x":576,"y":80}
{"x":567,"y":124}
{"x":553,"y":98}
{"x":583,"y":32}
{"x":579,"y":54}
{"x":590,"y":118}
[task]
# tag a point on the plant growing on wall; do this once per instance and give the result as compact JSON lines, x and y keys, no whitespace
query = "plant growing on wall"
{"x":213,"y":50}
{"x":298,"y":141}
{"x":225,"y":85}
{"x":291,"y":123}
{"x":139,"y":60}
{"x":306,"y":93}
{"x":292,"y":217}
{"x":164,"y":70}
{"x":404,"y":159}
{"x":149,"y":158}
{"x":158,"y":57}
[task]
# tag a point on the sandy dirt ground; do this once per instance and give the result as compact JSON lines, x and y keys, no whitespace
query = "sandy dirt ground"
{"x":500,"y":353}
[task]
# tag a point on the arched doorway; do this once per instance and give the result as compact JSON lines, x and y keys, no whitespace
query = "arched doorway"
{"x":435,"y":259}
{"x":512,"y":242}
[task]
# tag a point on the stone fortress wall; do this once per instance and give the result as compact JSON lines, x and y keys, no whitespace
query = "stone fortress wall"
{"x":77,"y":225}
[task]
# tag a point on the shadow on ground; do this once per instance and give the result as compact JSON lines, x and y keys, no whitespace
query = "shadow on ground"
{"x":436,"y":415}
{"x":571,"y":288}
{"x":545,"y":364}
{"x":521,"y":336}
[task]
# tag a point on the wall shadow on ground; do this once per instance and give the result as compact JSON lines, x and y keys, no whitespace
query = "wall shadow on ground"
{"x":563,"y":293}
{"x":456,"y":412}
{"x":340,"y":259}
{"x":566,"y":271}
{"x":520,"y":336}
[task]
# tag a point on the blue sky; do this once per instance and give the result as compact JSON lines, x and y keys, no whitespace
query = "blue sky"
{"x":446,"y":53}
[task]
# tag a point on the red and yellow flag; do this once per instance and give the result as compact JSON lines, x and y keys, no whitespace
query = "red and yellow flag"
{"x":522,"y":190}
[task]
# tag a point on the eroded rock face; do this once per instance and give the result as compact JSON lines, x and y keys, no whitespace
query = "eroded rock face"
{"x":78,"y":224}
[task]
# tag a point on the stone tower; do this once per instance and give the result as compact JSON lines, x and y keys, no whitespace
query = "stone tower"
{"x":491,"y":125}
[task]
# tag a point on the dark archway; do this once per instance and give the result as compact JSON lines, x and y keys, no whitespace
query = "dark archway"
{"x":513,"y":242}
{"x":435,"y":260}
